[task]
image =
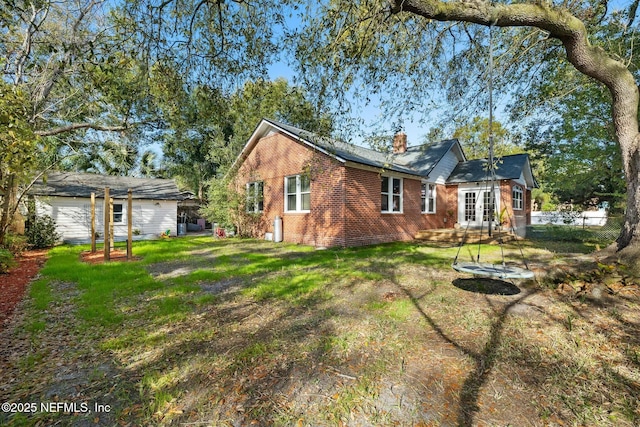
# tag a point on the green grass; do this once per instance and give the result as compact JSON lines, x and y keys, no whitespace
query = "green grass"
{"x":235,"y":331}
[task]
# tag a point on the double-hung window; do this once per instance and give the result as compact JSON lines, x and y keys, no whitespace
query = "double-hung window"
{"x":255,"y":197}
{"x":117,"y":213}
{"x":391,"y":201}
{"x":297,"y":190}
{"x":428,"y":198}
{"x":517,"y":198}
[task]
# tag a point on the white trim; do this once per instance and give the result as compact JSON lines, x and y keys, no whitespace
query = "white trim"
{"x":255,"y":197}
{"x":262,"y":130}
{"x":381,"y":170}
{"x":435,"y":198}
{"x":514,"y":189}
{"x":298,"y":194}
{"x":479,"y":188}
{"x":122,"y":213}
{"x":390,"y":194}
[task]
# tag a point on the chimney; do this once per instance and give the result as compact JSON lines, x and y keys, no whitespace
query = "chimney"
{"x":400,"y":143}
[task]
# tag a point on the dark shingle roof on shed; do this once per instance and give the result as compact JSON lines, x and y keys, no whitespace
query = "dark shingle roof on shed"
{"x":73,"y":184}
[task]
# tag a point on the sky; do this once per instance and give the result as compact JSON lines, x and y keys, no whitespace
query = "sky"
{"x":415,"y":128}
{"x":415,"y":131}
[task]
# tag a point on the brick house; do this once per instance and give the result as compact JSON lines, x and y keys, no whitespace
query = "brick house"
{"x":330,"y":193}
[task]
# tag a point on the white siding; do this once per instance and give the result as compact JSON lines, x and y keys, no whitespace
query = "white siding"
{"x":443,"y":169}
{"x":73,"y":216}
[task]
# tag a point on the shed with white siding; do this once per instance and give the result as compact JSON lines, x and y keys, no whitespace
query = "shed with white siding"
{"x":66,"y":197}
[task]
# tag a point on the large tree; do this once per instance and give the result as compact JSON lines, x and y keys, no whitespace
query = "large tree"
{"x":66,"y":71}
{"x":206,"y":128}
{"x":474,"y":137}
{"x":402,"y":45}
{"x":573,"y":133}
{"x":590,"y":60}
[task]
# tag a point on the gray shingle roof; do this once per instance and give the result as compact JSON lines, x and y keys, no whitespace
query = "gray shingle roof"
{"x":73,"y":184}
{"x":508,"y":167}
{"x":419,"y":160}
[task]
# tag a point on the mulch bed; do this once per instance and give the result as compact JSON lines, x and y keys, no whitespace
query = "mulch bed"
{"x":13,"y":284}
{"x":119,"y":255}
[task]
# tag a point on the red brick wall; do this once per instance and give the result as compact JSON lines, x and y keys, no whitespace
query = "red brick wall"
{"x":345,"y":201}
{"x":276,"y":156}
{"x":522,"y":217}
{"x":365,"y":224}
{"x":451,"y":198}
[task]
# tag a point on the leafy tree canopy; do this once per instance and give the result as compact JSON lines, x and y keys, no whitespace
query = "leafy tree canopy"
{"x":206,"y":128}
{"x":474,"y":137}
{"x":571,"y":129}
{"x":409,"y":52}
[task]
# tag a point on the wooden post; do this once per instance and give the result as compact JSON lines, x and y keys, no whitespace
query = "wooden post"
{"x":129,"y":224}
{"x":107,"y":254}
{"x":111,"y":241}
{"x":93,"y":223}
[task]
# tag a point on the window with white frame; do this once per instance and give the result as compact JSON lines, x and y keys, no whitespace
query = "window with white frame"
{"x":391,"y":195}
{"x":428,"y":196}
{"x":517,"y":198}
{"x":255,"y":196}
{"x":489,"y":206}
{"x":470,"y":206}
{"x":117,"y":213}
{"x":297,"y":190}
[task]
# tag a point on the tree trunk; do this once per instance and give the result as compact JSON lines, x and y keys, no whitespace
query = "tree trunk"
{"x":8,"y":202}
{"x":630,"y":234}
{"x":590,"y":60}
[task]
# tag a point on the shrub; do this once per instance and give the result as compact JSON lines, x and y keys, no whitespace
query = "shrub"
{"x":15,"y":244}
{"x":228,"y":207}
{"x":42,"y":232}
{"x":6,"y":260}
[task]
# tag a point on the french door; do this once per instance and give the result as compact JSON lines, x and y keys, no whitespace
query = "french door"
{"x":476,"y":207}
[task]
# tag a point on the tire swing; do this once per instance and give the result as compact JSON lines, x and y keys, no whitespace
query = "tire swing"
{"x":476,"y":267}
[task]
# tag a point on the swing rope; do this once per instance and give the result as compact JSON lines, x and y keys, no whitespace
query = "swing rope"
{"x":484,"y":269}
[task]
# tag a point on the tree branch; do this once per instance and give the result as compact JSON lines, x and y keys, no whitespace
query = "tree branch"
{"x":590,"y":60}
{"x":78,"y":126}
{"x":633,"y":9}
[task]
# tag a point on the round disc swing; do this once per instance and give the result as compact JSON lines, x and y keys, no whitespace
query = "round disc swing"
{"x":487,"y":269}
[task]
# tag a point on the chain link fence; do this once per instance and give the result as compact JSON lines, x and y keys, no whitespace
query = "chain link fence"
{"x":579,"y":231}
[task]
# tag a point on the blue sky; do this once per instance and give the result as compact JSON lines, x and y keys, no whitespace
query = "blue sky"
{"x":415,"y":128}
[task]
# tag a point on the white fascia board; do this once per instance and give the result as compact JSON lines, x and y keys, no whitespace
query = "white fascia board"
{"x":255,"y":136}
{"x":527,"y":175}
{"x":460,"y":151}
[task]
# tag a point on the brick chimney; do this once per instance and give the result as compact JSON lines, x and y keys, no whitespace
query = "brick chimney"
{"x":400,"y":143}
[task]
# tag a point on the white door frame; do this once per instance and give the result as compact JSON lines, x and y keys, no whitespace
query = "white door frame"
{"x":474,"y":193}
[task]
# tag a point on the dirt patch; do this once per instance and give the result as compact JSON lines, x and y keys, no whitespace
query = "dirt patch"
{"x":118,"y":255}
{"x":14,"y":283}
{"x":221,"y":286}
{"x":171,"y":270}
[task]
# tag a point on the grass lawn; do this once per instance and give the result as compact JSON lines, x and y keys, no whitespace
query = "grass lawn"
{"x":242,"y":332}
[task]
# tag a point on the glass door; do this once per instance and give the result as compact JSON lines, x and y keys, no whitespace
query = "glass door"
{"x":477,"y":207}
